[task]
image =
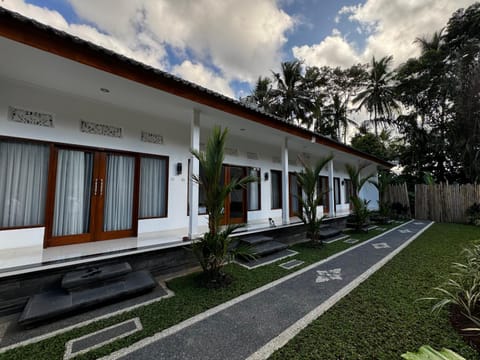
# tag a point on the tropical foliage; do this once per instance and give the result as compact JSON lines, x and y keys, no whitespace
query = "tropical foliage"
{"x":462,"y":289}
{"x":308,"y":180}
{"x":429,"y":353}
{"x":431,"y":102}
{"x":215,"y":248}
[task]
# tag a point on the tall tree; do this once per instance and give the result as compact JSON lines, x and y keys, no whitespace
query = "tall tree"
{"x":378,"y":97}
{"x":292,"y":98}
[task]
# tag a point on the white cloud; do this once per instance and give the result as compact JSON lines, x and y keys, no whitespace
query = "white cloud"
{"x":241,"y":38}
{"x":333,"y":50}
{"x":151,"y":55}
{"x":200,"y":75}
{"x":391,"y":25}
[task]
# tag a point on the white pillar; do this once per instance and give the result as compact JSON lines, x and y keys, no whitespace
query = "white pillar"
{"x":331,"y":187}
{"x":194,"y":170}
{"x":285,"y":192}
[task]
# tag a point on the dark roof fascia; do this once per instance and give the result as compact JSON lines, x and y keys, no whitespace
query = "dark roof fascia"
{"x":32,"y":33}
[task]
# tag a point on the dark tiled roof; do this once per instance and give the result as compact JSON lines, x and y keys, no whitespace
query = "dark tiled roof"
{"x":20,"y":19}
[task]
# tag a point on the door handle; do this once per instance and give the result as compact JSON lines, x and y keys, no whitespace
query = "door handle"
{"x":101,"y":187}
{"x":95,"y":186}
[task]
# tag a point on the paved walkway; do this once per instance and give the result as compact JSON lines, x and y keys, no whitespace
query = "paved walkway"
{"x":255,"y":324}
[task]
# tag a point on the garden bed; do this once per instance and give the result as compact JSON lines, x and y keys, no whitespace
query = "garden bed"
{"x":190,"y":299}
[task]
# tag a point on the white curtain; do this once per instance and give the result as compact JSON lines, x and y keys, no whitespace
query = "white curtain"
{"x":72,"y":193}
{"x":153,"y":189}
{"x":118,"y":185}
{"x":253,"y":190}
{"x":23,"y":183}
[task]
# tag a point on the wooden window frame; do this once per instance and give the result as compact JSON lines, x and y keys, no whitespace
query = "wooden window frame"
{"x":259,"y":184}
{"x":51,"y":185}
{"x":347,"y":190}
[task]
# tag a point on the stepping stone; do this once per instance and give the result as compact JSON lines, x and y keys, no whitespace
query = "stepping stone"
{"x":351,"y":241}
{"x":291,"y":264}
{"x":266,"y":260}
{"x":328,"y":231}
{"x":102,"y":337}
{"x":269,"y":247}
{"x":381,"y":246}
{"x":55,"y":303}
{"x":82,"y":279}
{"x":256,"y":239}
{"x":336,"y":238}
{"x":381,"y":229}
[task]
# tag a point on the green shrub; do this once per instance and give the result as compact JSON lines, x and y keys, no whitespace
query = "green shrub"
{"x":473,"y":214}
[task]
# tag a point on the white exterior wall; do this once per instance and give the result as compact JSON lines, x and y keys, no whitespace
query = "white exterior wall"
{"x":69,"y":110}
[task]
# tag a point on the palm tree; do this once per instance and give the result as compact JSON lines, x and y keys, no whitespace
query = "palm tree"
{"x":292,"y":96}
{"x":356,"y":178}
{"x":378,"y":97}
{"x":214,"y":249}
{"x":308,"y":180}
{"x":262,"y":96}
{"x":337,"y":114}
{"x":432,"y":44}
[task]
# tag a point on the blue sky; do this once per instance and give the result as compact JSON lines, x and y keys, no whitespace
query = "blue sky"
{"x":225,"y":45}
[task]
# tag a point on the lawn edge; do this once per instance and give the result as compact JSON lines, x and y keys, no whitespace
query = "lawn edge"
{"x":212,"y":311}
{"x":281,"y":340}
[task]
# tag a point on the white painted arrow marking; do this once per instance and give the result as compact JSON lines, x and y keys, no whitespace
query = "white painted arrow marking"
{"x":327,"y":275}
{"x":405,"y":231}
{"x":381,"y":245}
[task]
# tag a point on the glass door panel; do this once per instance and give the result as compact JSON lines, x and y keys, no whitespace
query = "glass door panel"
{"x":73,"y":193}
{"x":237,"y":196}
{"x":119,"y":192}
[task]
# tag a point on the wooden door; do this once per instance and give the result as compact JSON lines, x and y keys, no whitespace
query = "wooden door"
{"x":93,"y":195}
{"x":295,"y":191}
{"x":324,"y":191}
{"x":236,"y":202}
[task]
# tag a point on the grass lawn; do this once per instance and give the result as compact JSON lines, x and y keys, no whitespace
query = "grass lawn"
{"x":189,"y":300}
{"x":381,"y":318}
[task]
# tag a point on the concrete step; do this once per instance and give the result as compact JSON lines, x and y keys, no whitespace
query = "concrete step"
{"x":56,"y":303}
{"x":256,"y":239}
{"x":94,"y":276}
{"x":328,"y":232}
{"x":269,"y":247}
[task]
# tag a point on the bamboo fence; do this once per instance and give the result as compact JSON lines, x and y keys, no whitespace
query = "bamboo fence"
{"x":397,"y":194}
{"x":445,"y":202}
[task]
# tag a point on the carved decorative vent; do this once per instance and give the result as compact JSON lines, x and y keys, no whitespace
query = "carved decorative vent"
{"x":30,"y":117}
{"x":231,"y":151}
{"x":252,"y":156}
{"x":276,"y":159}
{"x":100,"y":129}
{"x":152,"y":138}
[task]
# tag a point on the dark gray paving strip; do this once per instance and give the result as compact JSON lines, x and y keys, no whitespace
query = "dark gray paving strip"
{"x":99,"y":338}
{"x":241,"y":329}
{"x":15,"y":335}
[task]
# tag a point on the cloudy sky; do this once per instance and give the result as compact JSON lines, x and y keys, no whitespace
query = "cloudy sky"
{"x":226,"y":44}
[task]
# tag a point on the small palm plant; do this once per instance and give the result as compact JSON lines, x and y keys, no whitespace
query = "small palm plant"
{"x":360,"y":212}
{"x":308,"y":180}
{"x":215,"y":248}
{"x":462,"y":289}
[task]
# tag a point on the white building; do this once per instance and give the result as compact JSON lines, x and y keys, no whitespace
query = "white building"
{"x":95,"y":153}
